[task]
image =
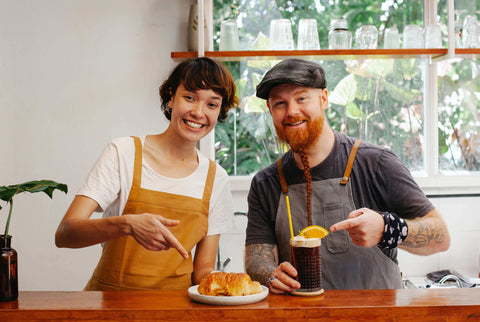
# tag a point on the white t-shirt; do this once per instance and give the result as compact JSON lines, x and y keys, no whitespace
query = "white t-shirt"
{"x":110,"y":180}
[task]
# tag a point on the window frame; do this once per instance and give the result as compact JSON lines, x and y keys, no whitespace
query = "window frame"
{"x":433,"y":182}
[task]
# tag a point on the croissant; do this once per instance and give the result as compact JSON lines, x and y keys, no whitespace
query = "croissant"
{"x":228,"y":284}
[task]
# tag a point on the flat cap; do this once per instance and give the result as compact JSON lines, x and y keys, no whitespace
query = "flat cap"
{"x":292,"y":71}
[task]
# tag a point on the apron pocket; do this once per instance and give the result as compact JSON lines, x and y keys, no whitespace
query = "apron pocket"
{"x":337,"y":242}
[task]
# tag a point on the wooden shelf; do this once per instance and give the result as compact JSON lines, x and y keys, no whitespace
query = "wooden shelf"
{"x":323,"y":54}
{"x":467,"y":52}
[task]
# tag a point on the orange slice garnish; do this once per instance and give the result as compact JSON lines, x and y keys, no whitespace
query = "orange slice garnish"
{"x":314,"y":232}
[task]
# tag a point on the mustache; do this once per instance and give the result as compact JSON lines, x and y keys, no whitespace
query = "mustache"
{"x":294,"y":119}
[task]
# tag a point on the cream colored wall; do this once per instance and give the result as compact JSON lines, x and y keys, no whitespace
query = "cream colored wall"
{"x":73,"y":75}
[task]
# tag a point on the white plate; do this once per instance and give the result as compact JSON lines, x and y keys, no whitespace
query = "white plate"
{"x":226,"y":300}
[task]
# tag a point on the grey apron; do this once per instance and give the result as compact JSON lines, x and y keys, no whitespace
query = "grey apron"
{"x":344,"y":264}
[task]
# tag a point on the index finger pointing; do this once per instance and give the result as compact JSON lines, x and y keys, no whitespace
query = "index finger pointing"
{"x":345,"y":224}
{"x":170,"y":238}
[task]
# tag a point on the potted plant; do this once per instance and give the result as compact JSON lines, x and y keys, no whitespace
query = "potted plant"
{"x":8,"y":255}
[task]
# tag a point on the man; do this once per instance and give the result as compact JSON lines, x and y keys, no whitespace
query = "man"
{"x":359,"y":191}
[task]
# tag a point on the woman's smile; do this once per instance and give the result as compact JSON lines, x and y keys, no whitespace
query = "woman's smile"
{"x":193,"y":124}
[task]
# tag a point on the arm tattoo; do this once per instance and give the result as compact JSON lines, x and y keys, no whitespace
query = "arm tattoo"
{"x":260,"y":261}
{"x":422,"y":232}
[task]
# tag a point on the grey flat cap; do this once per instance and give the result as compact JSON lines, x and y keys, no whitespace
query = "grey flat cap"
{"x":292,"y":71}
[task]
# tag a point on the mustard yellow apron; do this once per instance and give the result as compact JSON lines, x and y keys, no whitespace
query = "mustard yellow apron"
{"x":126,"y":265}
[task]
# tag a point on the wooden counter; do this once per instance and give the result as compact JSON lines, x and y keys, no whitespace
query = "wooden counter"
{"x":393,"y":305}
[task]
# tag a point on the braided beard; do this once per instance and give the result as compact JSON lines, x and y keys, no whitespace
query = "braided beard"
{"x":308,"y":181}
{"x":299,"y":140}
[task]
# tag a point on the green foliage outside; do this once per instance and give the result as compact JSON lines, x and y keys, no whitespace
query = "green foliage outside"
{"x":380,"y":101}
{"x":459,"y":115}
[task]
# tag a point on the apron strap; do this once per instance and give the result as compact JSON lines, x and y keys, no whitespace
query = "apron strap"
{"x":281,"y":175}
{"x":346,"y":175}
{"x":137,"y":167}
{"x":207,"y":192}
{"x":351,"y":158}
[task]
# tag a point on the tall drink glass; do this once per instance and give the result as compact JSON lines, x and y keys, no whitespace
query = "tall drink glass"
{"x":391,"y":39}
{"x":366,"y":37}
{"x":308,"y":35}
{"x":229,"y":36}
{"x":470,"y":32}
{"x":339,"y":37}
{"x":281,"y":37}
{"x":306,"y":259}
{"x":413,"y":36}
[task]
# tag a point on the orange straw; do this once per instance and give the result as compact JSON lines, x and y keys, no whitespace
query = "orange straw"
{"x":289,"y":216}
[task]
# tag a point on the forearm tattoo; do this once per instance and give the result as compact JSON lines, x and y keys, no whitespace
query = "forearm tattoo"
{"x":260,"y":262}
{"x":422,"y":232}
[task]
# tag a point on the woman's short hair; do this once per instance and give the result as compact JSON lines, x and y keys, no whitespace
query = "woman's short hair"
{"x":200,"y":73}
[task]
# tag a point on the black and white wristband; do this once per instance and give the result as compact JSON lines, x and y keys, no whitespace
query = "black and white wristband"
{"x":394,"y":232}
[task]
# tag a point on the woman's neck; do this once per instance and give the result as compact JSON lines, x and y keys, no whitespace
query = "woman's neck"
{"x":169,"y":157}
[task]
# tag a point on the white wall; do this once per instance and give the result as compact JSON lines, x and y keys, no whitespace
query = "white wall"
{"x":73,"y":75}
{"x":463,"y":221}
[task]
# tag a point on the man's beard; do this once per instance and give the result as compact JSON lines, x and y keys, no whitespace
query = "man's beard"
{"x":299,"y":140}
{"x":303,"y":138}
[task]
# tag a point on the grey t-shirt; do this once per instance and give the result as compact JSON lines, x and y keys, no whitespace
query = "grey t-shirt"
{"x":380,"y":181}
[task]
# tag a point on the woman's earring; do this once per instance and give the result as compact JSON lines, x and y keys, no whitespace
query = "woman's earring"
{"x":169,"y":109}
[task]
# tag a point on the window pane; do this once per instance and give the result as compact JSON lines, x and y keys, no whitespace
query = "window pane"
{"x":459,"y":115}
{"x":379,"y":101}
{"x":246,"y":141}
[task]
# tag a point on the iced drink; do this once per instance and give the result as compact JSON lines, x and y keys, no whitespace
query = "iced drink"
{"x":306,"y":259}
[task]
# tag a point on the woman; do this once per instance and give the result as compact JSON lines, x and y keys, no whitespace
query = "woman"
{"x":159,"y":195}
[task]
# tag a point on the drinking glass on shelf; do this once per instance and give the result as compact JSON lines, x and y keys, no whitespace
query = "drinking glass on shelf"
{"x":412,"y":36}
{"x":366,"y":37}
{"x":470,"y":32}
{"x":281,"y":35}
{"x":391,"y":38}
{"x":339,"y":37}
{"x":308,"y":35}
{"x":458,"y":27}
{"x":229,"y":36}
{"x":433,"y":36}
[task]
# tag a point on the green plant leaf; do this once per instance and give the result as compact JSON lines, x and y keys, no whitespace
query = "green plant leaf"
{"x":7,"y":193}
{"x":402,"y":94}
{"x":46,"y":186}
{"x":363,"y":87}
{"x":344,"y":92}
{"x":254,"y":104}
{"x":241,"y":84}
{"x":380,"y":69}
{"x":354,"y":111}
{"x":410,"y":68}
